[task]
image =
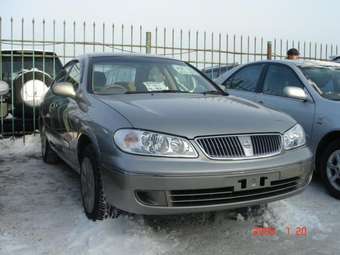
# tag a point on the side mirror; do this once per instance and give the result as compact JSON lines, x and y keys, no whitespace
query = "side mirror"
{"x":4,"y":88}
{"x":295,"y":92}
{"x":65,"y":89}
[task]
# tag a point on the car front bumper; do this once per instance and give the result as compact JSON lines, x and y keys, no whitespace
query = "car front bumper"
{"x":158,"y":186}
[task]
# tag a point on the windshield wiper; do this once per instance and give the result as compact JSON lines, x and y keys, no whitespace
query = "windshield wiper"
{"x":214,"y":92}
{"x":157,"y":91}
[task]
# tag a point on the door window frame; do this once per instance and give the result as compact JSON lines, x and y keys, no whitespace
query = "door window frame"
{"x":264,"y":75}
{"x":258,"y":83}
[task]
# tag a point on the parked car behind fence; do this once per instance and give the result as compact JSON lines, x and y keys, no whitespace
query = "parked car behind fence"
{"x":28,"y":74}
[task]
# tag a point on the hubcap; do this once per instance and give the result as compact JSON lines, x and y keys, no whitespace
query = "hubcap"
{"x":333,"y":169}
{"x":87,"y":184}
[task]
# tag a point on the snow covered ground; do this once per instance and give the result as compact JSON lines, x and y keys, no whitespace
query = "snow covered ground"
{"x":41,"y":213}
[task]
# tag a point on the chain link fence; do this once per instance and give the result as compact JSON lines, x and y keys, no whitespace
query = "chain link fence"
{"x":33,"y":52}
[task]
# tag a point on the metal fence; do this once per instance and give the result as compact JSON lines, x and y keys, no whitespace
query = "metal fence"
{"x":34,"y":41}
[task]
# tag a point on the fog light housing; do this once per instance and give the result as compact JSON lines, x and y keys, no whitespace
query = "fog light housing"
{"x":152,"y":197}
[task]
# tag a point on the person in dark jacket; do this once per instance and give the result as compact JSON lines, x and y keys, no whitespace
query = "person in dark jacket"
{"x":293,"y":54}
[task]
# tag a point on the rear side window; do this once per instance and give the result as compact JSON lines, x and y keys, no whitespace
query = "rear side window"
{"x":245,"y":79}
{"x":277,"y":78}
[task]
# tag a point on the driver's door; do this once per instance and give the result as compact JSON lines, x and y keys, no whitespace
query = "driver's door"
{"x":277,"y":77}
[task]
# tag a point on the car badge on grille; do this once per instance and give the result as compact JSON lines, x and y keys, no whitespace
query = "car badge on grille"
{"x":247,"y":145}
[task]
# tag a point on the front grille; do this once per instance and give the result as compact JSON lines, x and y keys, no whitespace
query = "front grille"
{"x":241,"y":146}
{"x":181,"y":198}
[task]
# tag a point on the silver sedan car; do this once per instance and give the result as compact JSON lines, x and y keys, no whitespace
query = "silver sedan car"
{"x":152,"y":135}
{"x":307,"y":90}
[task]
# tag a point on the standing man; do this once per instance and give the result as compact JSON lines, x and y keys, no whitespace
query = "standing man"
{"x":293,"y":54}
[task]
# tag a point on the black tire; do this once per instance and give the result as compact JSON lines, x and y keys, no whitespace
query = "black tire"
{"x":327,"y":153}
{"x":49,"y":156}
{"x":98,"y":209}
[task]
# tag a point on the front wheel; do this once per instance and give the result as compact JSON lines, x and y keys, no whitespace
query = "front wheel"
{"x":92,"y":193}
{"x":330,"y":168}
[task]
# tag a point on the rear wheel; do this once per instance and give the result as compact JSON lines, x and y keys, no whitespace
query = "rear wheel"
{"x":49,"y":156}
{"x":330,"y":168}
{"x":92,"y":193}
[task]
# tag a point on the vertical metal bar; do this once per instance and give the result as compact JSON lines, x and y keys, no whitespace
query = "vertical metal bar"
{"x":227,"y":49}
{"x":189,"y":42}
{"x":103,"y":46}
{"x":113,"y":38}
{"x":255,"y":48}
{"x":241,"y":50}
{"x":164,"y":41}
{"x":219,"y":52}
{"x":64,"y":41}
{"x":299,"y":46}
{"x":140,"y":38}
{"x":261,"y":48}
{"x":131,"y":39}
{"x":53,"y":48}
{"x":33,"y":46}
{"x":287,"y":46}
{"x":281,"y":49}
{"x":204,"y":47}
{"x":22,"y":78}
{"x":94,"y":37}
{"x":197,"y":49}
{"x":173,"y":42}
{"x":234,"y":48}
{"x":181,"y":44}
{"x":74,"y":39}
{"x":84,"y":37}
{"x":274,"y":52}
{"x":326,"y":52}
{"x":320,"y":57}
{"x":310,"y":50}
{"x":315,"y":50}
{"x":248,"y":48}
{"x":331,"y":54}
{"x":304,"y":50}
{"x":122,"y":38}
{"x":212,"y":56}
{"x":336,"y":51}
{"x":12,"y":84}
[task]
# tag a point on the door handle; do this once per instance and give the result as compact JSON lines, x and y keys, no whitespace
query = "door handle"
{"x":260,"y":102}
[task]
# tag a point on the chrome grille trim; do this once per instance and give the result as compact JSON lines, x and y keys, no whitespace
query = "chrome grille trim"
{"x":226,"y":195}
{"x":229,"y":147}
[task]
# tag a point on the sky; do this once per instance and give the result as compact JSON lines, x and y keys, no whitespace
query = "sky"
{"x":310,"y":20}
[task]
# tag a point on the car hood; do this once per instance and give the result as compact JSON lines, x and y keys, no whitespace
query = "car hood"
{"x":192,"y":115}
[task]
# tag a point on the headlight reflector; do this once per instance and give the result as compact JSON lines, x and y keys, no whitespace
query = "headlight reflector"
{"x":153,"y":144}
{"x":294,"y":137}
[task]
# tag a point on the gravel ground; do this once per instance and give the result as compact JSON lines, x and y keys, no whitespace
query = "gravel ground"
{"x":41,"y":213}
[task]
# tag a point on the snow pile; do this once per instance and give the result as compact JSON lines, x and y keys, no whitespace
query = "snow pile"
{"x":13,"y":147}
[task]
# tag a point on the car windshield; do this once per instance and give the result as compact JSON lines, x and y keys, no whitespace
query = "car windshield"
{"x":325,"y":79}
{"x":48,"y":64}
{"x":130,"y":76}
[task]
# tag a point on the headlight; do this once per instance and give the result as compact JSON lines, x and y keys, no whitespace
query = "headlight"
{"x":153,"y":144}
{"x":294,"y":137}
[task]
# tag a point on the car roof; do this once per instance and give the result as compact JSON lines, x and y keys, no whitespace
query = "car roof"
{"x":302,"y":63}
{"x":27,"y":51}
{"x":127,"y":55}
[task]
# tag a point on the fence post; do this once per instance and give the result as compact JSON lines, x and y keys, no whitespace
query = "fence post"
{"x":269,"y":50}
{"x":148,"y":43}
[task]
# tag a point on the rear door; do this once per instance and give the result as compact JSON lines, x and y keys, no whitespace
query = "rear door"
{"x":244,"y":82}
{"x":278,"y":76}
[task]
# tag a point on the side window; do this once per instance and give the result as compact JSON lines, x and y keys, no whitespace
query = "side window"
{"x":245,"y":79}
{"x":74,"y":75}
{"x":61,"y":76}
{"x":278,"y":77}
